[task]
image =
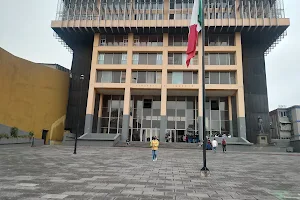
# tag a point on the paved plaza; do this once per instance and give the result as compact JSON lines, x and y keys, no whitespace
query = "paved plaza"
{"x":53,"y":172}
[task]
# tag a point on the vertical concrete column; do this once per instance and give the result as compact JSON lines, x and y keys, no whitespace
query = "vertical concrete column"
{"x":238,"y":10}
{"x":91,"y":93}
{"x":166,"y":10}
{"x":100,"y":114}
{"x":200,"y":97}
{"x":164,"y":82}
{"x":230,"y":116}
{"x":126,"y":115}
{"x":240,"y":100}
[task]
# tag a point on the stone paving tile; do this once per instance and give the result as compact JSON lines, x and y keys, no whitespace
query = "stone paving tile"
{"x":53,"y":172}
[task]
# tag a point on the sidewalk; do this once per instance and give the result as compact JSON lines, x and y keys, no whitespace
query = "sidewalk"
{"x":53,"y":172}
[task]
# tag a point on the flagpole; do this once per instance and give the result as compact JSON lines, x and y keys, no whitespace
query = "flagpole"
{"x":204,"y":170}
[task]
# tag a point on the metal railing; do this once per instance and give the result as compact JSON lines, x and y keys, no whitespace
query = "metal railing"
{"x":147,"y":9}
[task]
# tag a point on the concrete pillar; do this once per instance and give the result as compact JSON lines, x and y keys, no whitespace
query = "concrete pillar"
{"x":100,"y":114}
{"x":88,"y":126}
{"x":164,"y":82}
{"x":91,"y":93}
{"x":240,"y":100}
{"x":126,"y":115}
{"x":230,"y":116}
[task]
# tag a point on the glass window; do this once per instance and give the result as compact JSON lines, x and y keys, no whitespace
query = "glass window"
{"x":177,"y":78}
{"x":116,"y":77}
{"x":214,"y":105}
{"x":214,"y":77}
{"x":141,"y":77}
{"x":213,"y":59}
{"x":108,"y":57}
{"x":187,"y":77}
{"x":106,"y":77}
{"x":232,"y":58}
{"x":135,"y":59}
{"x":224,"y":115}
{"x":232,"y":78}
{"x":169,"y":77}
{"x":117,"y":58}
{"x":150,"y":77}
{"x":224,"y":59}
{"x":152,"y":59}
{"x":134,"y":77}
{"x":148,"y":104}
{"x":225,"y":125}
{"x":224,"y":77}
{"x":158,"y":77}
{"x":223,"y":40}
{"x":190,"y":114}
{"x":159,"y":59}
{"x":195,"y":77}
{"x":177,"y":58}
{"x":190,"y":102}
{"x":207,"y":77}
{"x":142,"y":59}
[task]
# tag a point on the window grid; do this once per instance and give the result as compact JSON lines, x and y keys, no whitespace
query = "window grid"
{"x":114,"y":57}
{"x":135,"y":77}
{"x":180,"y":59}
{"x":219,"y":58}
{"x":109,"y":76}
{"x":113,"y":40}
{"x":212,"y":132}
{"x":178,"y":40}
{"x":231,"y":77}
{"x":182,"y":77}
{"x":136,"y":60}
{"x":148,"y":40}
{"x":110,"y":117}
{"x":219,"y":40}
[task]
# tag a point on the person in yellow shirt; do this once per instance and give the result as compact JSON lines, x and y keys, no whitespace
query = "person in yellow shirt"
{"x":154,"y":145}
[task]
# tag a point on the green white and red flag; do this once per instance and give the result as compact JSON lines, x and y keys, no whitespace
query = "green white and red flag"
{"x":195,"y":27}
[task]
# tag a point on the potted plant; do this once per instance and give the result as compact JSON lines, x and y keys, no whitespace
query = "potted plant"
{"x":14,"y":132}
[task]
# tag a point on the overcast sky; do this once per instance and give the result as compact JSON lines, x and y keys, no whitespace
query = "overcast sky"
{"x":25,"y":32}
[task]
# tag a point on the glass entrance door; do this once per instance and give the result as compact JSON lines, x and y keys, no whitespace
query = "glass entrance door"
{"x":146,"y":134}
{"x":171,"y":135}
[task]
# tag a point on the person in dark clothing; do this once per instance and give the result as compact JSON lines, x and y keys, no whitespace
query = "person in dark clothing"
{"x":224,"y":145}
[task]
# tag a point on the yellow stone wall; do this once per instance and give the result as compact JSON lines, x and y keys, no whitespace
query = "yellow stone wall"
{"x":33,"y":97}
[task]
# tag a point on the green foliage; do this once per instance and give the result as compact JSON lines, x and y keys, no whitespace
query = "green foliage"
{"x":14,"y":132}
{"x":4,"y":135}
{"x":31,"y":134}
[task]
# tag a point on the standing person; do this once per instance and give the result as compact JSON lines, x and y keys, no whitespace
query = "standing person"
{"x":214,"y":145}
{"x":224,"y":145}
{"x":154,"y":145}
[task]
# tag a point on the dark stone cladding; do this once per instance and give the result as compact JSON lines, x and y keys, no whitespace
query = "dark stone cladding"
{"x":81,"y":64}
{"x":255,"y":89}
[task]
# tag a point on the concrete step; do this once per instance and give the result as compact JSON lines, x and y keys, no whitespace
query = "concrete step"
{"x":231,"y":147}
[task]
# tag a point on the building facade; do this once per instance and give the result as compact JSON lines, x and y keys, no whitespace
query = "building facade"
{"x":132,"y":54}
{"x":285,"y":123}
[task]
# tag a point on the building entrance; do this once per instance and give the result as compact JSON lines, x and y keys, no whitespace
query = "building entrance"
{"x":175,"y":135}
{"x":146,"y":134}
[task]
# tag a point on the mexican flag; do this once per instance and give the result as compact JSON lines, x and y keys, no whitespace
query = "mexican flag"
{"x":195,"y":27}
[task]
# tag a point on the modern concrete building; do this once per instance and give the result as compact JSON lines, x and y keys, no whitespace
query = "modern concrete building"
{"x":285,"y":123}
{"x":132,"y":54}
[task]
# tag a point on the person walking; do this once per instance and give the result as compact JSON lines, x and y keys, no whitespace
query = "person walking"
{"x":154,"y":145}
{"x":224,"y":145}
{"x":214,"y":145}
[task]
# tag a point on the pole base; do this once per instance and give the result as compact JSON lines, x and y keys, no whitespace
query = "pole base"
{"x":204,"y":172}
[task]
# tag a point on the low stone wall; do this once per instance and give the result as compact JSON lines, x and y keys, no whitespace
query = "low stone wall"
{"x":296,"y":145}
{"x":37,"y":142}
